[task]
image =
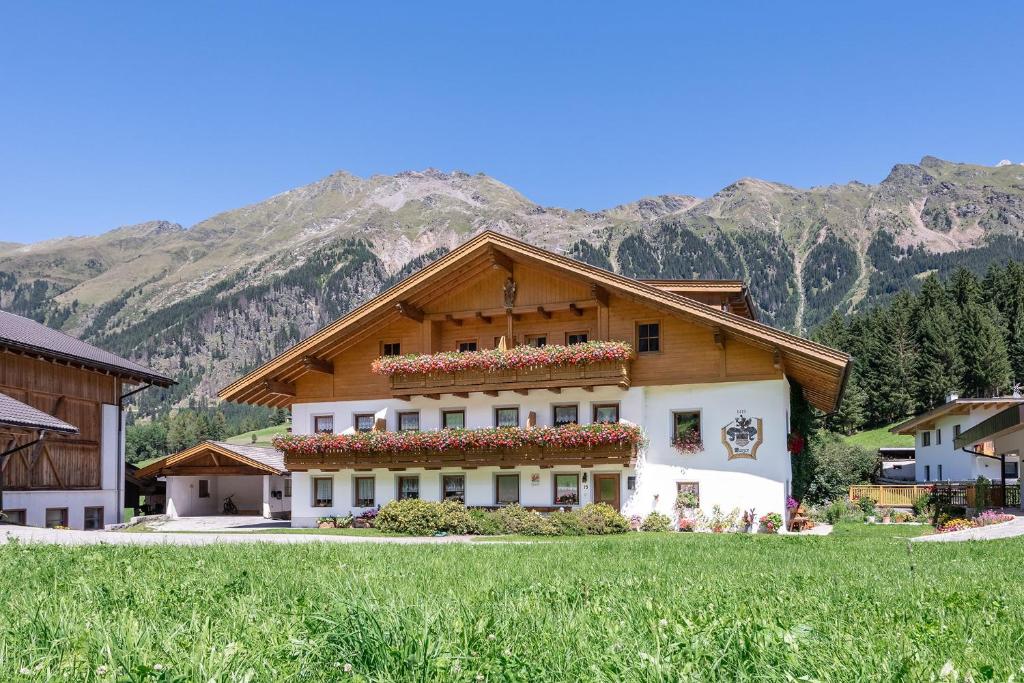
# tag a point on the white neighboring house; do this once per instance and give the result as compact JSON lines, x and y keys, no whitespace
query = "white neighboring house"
{"x":65,"y":479}
{"x":702,"y":369}
{"x":1001,"y":434}
{"x":199,"y":479}
{"x":937,"y":456}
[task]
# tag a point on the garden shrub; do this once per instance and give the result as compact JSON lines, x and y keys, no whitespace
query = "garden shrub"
{"x":600,"y":518}
{"x":486,"y":522}
{"x":515,"y":519}
{"x":832,"y":466}
{"x":656,"y":522}
{"x":454,"y":518}
{"x":922,"y":503}
{"x":866,"y":505}
{"x":566,"y":523}
{"x":835,"y":512}
{"x":424,"y":518}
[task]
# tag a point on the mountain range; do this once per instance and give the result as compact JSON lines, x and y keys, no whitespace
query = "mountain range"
{"x":216,"y":299}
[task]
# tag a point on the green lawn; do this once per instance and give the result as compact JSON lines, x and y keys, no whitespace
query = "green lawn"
{"x":857,"y":606}
{"x":873,"y":439}
{"x":263,"y":436}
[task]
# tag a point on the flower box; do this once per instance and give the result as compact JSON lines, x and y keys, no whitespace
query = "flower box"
{"x":528,"y":358}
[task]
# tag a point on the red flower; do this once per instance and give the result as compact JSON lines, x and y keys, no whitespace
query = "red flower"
{"x":491,"y":360}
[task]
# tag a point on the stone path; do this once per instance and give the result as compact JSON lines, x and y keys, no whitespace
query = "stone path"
{"x":985,"y":533}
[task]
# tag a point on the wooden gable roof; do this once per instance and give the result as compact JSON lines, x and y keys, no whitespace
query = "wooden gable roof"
{"x":819,"y":370}
{"x":216,"y":458}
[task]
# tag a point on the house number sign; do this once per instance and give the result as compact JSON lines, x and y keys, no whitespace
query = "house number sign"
{"x":743,"y":436}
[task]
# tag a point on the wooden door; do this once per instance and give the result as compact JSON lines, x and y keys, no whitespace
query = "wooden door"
{"x":606,"y":489}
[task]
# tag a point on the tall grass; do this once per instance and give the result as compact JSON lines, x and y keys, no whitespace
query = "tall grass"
{"x":658,"y":607}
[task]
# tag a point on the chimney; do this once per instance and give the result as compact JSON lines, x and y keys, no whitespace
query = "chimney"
{"x":952,"y":396}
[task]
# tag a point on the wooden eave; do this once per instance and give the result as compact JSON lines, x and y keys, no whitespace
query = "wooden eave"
{"x":961,"y":406}
{"x":123,"y":374}
{"x":177,"y":462}
{"x":819,"y":370}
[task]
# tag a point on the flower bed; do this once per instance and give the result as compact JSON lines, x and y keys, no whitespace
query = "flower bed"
{"x":492,"y":360}
{"x":568,"y":436}
{"x":987,"y":518}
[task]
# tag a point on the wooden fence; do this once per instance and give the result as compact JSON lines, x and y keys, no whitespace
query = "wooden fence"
{"x":962,"y":494}
{"x":896,"y":495}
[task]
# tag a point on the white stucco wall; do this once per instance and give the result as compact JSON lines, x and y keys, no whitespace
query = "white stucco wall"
{"x":956,"y":464}
{"x":761,"y":484}
{"x":251,"y":495}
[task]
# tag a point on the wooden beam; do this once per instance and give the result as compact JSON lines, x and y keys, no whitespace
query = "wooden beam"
{"x":545,"y":314}
{"x":409,"y":311}
{"x":777,"y":361}
{"x":499,"y":261}
{"x":273,"y":386}
{"x":453,"y":320}
{"x":523,"y":392}
{"x":588,"y":388}
{"x":577,"y":311}
{"x":719,"y":337}
{"x":491,"y":393}
{"x":483,"y":318}
{"x":313,"y":364}
{"x":189,"y":471}
{"x":555,"y":390}
{"x":600,"y":294}
{"x":461,"y":394}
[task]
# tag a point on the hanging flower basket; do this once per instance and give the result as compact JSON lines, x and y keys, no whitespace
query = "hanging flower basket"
{"x":496,"y":360}
{"x":795,"y":443}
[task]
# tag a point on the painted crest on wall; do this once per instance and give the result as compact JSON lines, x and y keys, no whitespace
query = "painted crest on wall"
{"x":742,"y":436}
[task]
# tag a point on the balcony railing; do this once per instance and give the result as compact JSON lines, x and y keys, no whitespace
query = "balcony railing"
{"x":615,"y":373}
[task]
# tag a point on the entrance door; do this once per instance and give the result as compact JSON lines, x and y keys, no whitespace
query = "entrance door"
{"x":606,"y":489}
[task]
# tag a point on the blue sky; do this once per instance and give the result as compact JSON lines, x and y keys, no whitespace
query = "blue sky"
{"x":115,"y":113}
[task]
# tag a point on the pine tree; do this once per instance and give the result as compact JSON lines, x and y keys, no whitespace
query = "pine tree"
{"x":851,"y":414}
{"x":894,"y":352}
{"x":939,"y":369}
{"x":986,"y":362}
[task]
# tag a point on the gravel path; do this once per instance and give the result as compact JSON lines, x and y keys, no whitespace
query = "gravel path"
{"x":70,"y":537}
{"x":985,"y":533}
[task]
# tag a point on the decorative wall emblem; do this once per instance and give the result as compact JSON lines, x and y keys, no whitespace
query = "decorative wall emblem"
{"x":510,"y":292}
{"x":742,"y":436}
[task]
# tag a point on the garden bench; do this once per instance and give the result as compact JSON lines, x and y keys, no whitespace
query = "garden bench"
{"x":799,"y":520}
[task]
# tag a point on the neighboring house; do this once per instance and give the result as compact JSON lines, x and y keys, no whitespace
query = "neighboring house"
{"x":200,"y":478}
{"x":999,"y":438}
{"x":702,"y":373}
{"x":938,"y":459}
{"x":64,"y":479}
{"x":896,"y":464}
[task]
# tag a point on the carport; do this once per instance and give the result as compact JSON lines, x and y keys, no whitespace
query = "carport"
{"x":200,"y":478}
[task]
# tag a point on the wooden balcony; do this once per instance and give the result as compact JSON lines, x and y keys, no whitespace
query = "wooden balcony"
{"x":468,"y":459}
{"x":611,"y":373}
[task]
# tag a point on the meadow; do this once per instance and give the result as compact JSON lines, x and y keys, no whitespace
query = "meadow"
{"x":860,"y":605}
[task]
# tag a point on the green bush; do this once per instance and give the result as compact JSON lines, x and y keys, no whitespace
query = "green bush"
{"x":566,"y":523}
{"x":832,"y":466}
{"x":921,"y":504}
{"x":599,"y":518}
{"x":866,"y":505}
{"x":486,"y":522}
{"x":425,"y":518}
{"x":515,"y":519}
{"x":656,"y":522}
{"x":835,"y":512}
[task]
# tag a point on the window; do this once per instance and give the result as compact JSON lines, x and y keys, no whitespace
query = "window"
{"x":536,"y":340}
{"x":689,"y":487}
{"x":365,"y":422}
{"x":927,"y":472}
{"x":56,"y":517}
{"x":648,"y":337}
{"x":566,"y":415}
{"x":323,"y":492}
{"x":288,"y":488}
{"x":391,"y":349}
{"x":926,"y":438}
{"x":14,"y":517}
{"x":466,"y":346}
{"x":940,"y":472}
{"x":453,"y":487}
{"x":93,"y":518}
{"x":1011,"y":469}
{"x":365,"y":489}
{"x":323,"y":424}
{"x":506,"y":417}
{"x":576,"y":338}
{"x":409,"y":421}
{"x":606,"y":412}
{"x":204,"y":488}
{"x":631,"y":483}
{"x":408,"y":488}
{"x":506,"y":489}
{"x":938,"y":436}
{"x":956,"y":431}
{"x":685,"y":426}
{"x":567,"y":489}
{"x":453,"y":419}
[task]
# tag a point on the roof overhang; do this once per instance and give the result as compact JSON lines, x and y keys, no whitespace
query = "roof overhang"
{"x":819,"y":370}
{"x":206,"y":459}
{"x":999,"y":425}
{"x":17,"y":415}
{"x":86,"y":363}
{"x":960,"y":406}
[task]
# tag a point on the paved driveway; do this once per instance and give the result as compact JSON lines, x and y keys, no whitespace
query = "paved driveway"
{"x":220,"y":523}
{"x":985,"y":533}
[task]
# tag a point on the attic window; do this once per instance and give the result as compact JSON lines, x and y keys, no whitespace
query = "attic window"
{"x":391,"y":349}
{"x":648,"y":337}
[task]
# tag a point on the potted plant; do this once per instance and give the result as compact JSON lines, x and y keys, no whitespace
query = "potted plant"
{"x":749,"y":518}
{"x":867,"y":506}
{"x":771,"y":523}
{"x":686,"y":524}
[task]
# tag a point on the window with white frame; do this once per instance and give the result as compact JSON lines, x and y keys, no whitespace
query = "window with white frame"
{"x":506,"y":489}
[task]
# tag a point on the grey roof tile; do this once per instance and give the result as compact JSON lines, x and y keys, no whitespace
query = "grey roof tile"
{"x":14,"y":413}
